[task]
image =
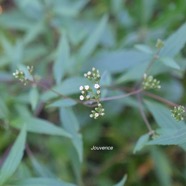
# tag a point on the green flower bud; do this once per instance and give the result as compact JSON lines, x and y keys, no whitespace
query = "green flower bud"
{"x":178,"y":112}
{"x":149,"y":82}
{"x":159,"y":44}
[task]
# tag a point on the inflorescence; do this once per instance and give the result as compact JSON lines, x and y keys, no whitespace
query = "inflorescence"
{"x":149,"y":82}
{"x":178,"y":112}
{"x":94,"y":93}
{"x":19,"y":74}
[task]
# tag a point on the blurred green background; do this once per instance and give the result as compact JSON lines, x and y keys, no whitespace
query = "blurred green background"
{"x":32,"y":33}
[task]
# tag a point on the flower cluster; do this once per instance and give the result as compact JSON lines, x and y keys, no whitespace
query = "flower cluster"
{"x":93,"y":75}
{"x":19,"y":74}
{"x":149,"y":82}
{"x":85,"y":92}
{"x":159,"y":44}
{"x":94,"y":93}
{"x":98,"y":111}
{"x":178,"y":112}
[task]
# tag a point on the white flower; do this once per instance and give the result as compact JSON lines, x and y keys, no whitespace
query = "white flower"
{"x":81,"y":88}
{"x":87,"y":87}
{"x":89,"y":73}
{"x":81,"y":97}
{"x":96,"y":115}
{"x":98,"y":91}
{"x":93,"y":69}
{"x":85,"y":75}
{"x":91,"y":115}
{"x":96,"y":86}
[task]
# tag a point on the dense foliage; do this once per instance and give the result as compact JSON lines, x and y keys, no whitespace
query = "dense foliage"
{"x":77,"y":60}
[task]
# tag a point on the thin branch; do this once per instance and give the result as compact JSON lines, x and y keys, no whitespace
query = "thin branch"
{"x":58,"y":93}
{"x":158,"y":98}
{"x":91,"y":103}
{"x":122,"y":96}
{"x":140,"y":102}
{"x":155,"y":57}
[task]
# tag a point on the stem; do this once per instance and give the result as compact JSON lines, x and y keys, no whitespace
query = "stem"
{"x":122,"y":96}
{"x":140,"y":104}
{"x":90,"y":102}
{"x":156,"y":97}
{"x":155,"y":57}
{"x":57,"y":93}
{"x":116,"y":97}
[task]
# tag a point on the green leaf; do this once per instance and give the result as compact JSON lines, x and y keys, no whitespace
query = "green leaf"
{"x":117,"y":6}
{"x":43,"y":182}
{"x":34,"y":32}
{"x":134,"y":73}
{"x":62,"y":58}
{"x":122,"y":59}
{"x":33,"y":9}
{"x":69,"y":9}
{"x":39,"y":168}
{"x":170,"y":63}
{"x":170,"y":137}
{"x":144,"y":48}
{"x":71,"y":125}
{"x":141,"y":143}
{"x":4,"y":109}
{"x":174,"y":43}
{"x":34,"y":97}
{"x":162,"y":115}
{"x":15,"y":20}
{"x":41,"y":126}
{"x":63,"y":103}
{"x":122,"y":182}
{"x":171,"y":132}
{"x":14,"y":158}
{"x":94,"y":38}
{"x":162,"y":167}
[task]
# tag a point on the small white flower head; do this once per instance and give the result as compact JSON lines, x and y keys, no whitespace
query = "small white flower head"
{"x":96,"y":115}
{"x":20,"y":75}
{"x":96,"y":86}
{"x":98,"y":111}
{"x":178,"y":112}
{"x":149,"y":82}
{"x":81,"y":98}
{"x":98,"y":92}
{"x":81,"y":88}
{"x":93,"y":75}
{"x":91,"y":115}
{"x":86,"y":87}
